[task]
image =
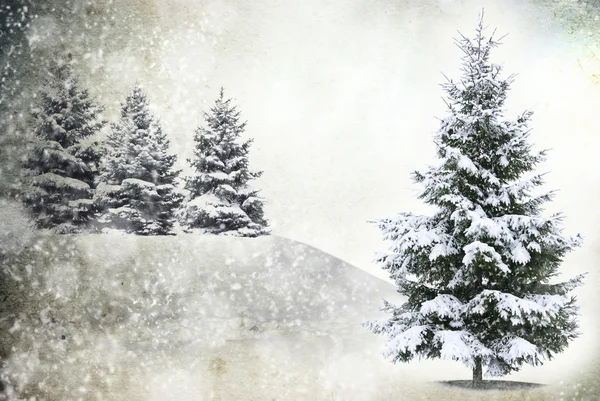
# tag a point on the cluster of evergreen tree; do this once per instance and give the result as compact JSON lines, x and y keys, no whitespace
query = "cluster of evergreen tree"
{"x":77,"y":183}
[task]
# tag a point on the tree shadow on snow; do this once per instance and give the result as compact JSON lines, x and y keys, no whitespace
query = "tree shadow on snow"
{"x":491,"y":385}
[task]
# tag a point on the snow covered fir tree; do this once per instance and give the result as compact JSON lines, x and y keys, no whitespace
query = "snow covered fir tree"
{"x":220,"y":200}
{"x":477,"y":274}
{"x":60,"y":169}
{"x":138,"y":193}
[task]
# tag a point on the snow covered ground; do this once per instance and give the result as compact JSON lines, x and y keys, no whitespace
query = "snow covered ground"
{"x":190,"y":317}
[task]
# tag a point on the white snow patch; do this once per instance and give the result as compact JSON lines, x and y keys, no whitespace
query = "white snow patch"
{"x":488,"y":253}
{"x":444,"y":305}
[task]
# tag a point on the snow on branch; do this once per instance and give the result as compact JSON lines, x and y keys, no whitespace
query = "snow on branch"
{"x":516,"y":350}
{"x":561,"y":288}
{"x":406,"y":340}
{"x":444,"y":306}
{"x":477,"y":249}
{"x":460,"y":346}
{"x":534,"y":308}
{"x":412,"y":232}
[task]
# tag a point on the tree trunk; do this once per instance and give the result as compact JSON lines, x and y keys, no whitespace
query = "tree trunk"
{"x":477,"y":372}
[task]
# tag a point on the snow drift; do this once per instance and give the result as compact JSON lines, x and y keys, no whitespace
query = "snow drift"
{"x":189,"y":317}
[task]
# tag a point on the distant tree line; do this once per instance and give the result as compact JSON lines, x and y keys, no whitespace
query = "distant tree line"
{"x":73,"y":182}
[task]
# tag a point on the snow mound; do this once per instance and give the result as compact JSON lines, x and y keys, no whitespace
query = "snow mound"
{"x":267,"y":279}
{"x":190,"y":317}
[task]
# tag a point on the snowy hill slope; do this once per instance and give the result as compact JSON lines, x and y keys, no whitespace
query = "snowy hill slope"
{"x":264,"y":281}
{"x":189,"y":317}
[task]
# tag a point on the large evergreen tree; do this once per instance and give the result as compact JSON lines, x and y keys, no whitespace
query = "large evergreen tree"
{"x":221,"y":201}
{"x":61,"y":167}
{"x":477,"y":275}
{"x":138,"y":194}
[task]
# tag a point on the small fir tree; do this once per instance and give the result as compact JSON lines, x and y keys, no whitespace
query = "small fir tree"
{"x":61,"y":167}
{"x":138,"y":194}
{"x":477,"y":274}
{"x":220,"y":200}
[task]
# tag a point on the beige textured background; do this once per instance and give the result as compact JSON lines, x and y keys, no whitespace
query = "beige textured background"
{"x":341,"y":98}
